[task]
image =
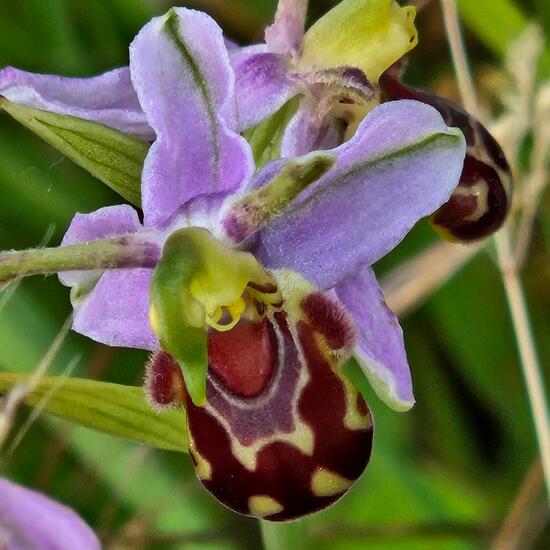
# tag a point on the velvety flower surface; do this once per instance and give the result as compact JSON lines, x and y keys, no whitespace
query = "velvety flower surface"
{"x":30,"y":520}
{"x":279,"y":288}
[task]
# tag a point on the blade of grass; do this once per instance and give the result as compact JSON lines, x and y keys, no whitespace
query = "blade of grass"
{"x":114,"y":409}
{"x":496,"y":22}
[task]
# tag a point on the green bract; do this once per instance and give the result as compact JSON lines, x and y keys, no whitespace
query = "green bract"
{"x":113,"y":157}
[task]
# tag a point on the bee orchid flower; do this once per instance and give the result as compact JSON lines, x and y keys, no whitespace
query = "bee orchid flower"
{"x":257,"y":285}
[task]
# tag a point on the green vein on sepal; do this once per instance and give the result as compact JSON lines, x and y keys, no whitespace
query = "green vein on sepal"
{"x":112,"y":156}
{"x":173,"y":31}
{"x":114,"y":409}
{"x":441,"y":139}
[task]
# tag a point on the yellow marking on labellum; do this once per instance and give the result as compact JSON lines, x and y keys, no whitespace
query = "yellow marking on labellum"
{"x":444,"y":233}
{"x":262,"y":506}
{"x":301,"y":437}
{"x":334,"y":357}
{"x":481,"y":153}
{"x":325,"y":483}
{"x":481,"y":193}
{"x":354,"y":420}
{"x":203,"y":468}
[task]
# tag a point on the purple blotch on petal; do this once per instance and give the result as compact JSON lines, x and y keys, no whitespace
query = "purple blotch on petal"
{"x":262,"y":86}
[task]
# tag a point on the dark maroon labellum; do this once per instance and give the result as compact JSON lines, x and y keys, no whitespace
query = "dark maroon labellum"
{"x":479,"y":205}
{"x":292,"y":449}
{"x":282,"y":434}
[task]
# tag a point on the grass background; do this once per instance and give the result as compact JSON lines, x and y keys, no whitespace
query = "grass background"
{"x":442,"y":476}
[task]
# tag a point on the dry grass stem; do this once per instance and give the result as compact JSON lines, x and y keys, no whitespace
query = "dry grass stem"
{"x":460,"y":60}
{"x":506,"y":260}
{"x":537,"y":180}
{"x":37,"y":410}
{"x":16,"y":397}
{"x":513,"y":125}
{"x":509,"y":534}
{"x":408,"y":286}
{"x":528,"y":354}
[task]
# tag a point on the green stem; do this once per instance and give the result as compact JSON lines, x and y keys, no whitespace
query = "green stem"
{"x":284,"y":536}
{"x":270,"y":539}
{"x":115,"y":253}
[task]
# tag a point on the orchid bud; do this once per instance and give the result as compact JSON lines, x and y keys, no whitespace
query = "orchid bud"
{"x":369,"y":35}
{"x":479,"y":205}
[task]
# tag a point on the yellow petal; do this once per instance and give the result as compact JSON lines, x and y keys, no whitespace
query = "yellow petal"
{"x":368,"y":34}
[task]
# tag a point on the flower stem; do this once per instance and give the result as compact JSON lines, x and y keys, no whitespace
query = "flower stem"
{"x":115,"y":253}
{"x":528,"y":353}
{"x":460,"y":60}
{"x":269,"y":536}
{"x":532,"y":371}
{"x":283,"y":536}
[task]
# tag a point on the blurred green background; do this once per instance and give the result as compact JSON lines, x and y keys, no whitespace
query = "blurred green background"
{"x":444,"y":475}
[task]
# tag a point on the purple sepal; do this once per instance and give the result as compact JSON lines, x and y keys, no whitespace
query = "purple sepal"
{"x":286,"y":34}
{"x":310,"y":130}
{"x":109,"y":98}
{"x":116,"y":312}
{"x":262,"y":84}
{"x":401,"y":165}
{"x":181,"y":71}
{"x":29,"y":519}
{"x":380,"y":349}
